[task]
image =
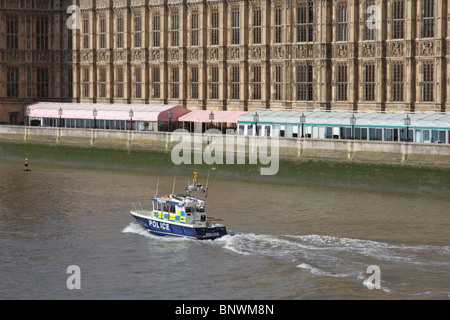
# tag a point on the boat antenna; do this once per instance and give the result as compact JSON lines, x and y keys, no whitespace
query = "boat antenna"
{"x":173,"y":188}
{"x":207,"y":180}
{"x":157,"y":184}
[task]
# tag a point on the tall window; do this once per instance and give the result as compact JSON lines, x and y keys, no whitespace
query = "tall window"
{"x":156,"y":30}
{"x":370,"y":26}
{"x":12,"y":82}
{"x":342,"y":83}
{"x":156,"y":82}
{"x":103,"y":83}
{"x":214,"y":82}
{"x":235,"y":83}
{"x":215,"y":28}
{"x":12,"y":32}
{"x":342,"y":17}
{"x":86,"y":83}
{"x":305,"y":22}
{"x":194,"y":82}
{"x":398,"y":10}
{"x":69,"y":92}
{"x":304,"y":83}
{"x":175,"y":30}
{"x":69,"y":39}
{"x":86,"y":34}
{"x":138,"y":83}
{"x":428,"y":78}
{"x":257,"y":26}
{"x":278,"y":25}
{"x":137,"y":32}
{"x":369,"y":82}
{"x":278,"y":83}
{"x":195,"y":30}
{"x":103,"y":33}
{"x":397,"y":82}
{"x":42,"y":82}
{"x":257,"y":82}
{"x":235,"y":27}
{"x":120,"y":82}
{"x":42,"y":33}
{"x":175,"y":83}
{"x":428,"y":18}
{"x":120,"y":32}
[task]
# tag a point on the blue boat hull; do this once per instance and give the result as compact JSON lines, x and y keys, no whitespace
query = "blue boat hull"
{"x":166,"y":228}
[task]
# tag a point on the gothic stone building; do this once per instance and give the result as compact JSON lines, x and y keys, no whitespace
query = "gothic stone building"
{"x":35,"y":55}
{"x":232,"y":54}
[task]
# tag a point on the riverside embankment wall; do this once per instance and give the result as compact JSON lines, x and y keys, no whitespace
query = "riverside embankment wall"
{"x":419,"y":154}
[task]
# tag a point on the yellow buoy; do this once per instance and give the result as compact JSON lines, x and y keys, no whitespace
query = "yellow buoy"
{"x":27,"y":162}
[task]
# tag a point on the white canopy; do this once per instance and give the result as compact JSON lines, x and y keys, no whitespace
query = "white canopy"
{"x":334,"y":118}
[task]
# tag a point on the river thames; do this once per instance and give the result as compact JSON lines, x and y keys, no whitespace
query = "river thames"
{"x":288,"y":241}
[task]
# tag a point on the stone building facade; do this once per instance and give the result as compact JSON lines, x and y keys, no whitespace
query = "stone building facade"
{"x":238,"y":54}
{"x":35,"y":55}
{"x":242,"y":55}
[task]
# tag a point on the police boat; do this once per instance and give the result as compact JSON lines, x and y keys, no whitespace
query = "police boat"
{"x":181,"y":215}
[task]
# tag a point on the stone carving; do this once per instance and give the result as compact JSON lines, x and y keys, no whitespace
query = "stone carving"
{"x":155,"y":55}
{"x":397,"y":49}
{"x":341,"y":51}
{"x":256,"y":53}
{"x":234,"y":53}
{"x":301,"y":52}
{"x":175,"y":55}
{"x":194,"y":54}
{"x":214,"y":54}
{"x":427,"y":48}
{"x":368,"y":50}
{"x":277,"y":53}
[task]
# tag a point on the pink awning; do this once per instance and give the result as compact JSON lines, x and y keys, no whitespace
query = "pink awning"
{"x":219,"y":116}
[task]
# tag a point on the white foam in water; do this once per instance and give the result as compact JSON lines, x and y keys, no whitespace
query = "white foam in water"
{"x":229,"y":244}
{"x":136,"y":228}
{"x":320,"y":255}
{"x":328,"y":241}
{"x":368,"y":285}
{"x":319,"y":272}
{"x":311,"y":269}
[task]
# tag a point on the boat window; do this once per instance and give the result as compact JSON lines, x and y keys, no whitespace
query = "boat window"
{"x":166,"y":207}
{"x":172,"y":208}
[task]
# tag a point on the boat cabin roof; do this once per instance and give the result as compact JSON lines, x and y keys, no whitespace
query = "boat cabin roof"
{"x":168,"y":200}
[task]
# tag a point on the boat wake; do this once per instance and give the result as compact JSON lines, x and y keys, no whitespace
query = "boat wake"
{"x":136,"y":228}
{"x":336,"y":257}
{"x":328,"y":256}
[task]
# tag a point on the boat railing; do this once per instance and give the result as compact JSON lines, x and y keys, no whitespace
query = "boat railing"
{"x":212,"y":219}
{"x":208,"y":219}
